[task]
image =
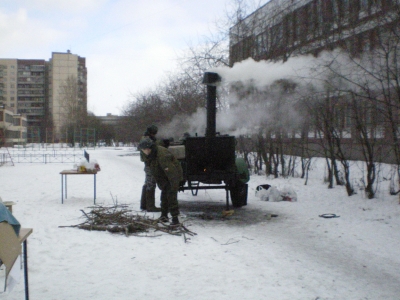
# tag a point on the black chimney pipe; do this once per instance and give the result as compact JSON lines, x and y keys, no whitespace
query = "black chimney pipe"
{"x":211,"y":79}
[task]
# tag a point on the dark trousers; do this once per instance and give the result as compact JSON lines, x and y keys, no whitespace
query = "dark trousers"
{"x":169,"y":202}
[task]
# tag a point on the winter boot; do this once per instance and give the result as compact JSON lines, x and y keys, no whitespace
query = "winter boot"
{"x":175,"y":221}
{"x":143,"y":198}
{"x":150,"y":201}
{"x":162,"y":219}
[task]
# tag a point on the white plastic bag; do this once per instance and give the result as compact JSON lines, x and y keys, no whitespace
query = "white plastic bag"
{"x":288,"y":194}
{"x":274,"y":194}
{"x":85,"y":166}
{"x":262,"y":192}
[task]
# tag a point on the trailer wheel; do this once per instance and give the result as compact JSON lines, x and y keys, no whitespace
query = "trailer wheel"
{"x":239,"y":194}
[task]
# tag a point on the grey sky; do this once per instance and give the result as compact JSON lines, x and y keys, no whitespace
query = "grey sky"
{"x":129,"y":45}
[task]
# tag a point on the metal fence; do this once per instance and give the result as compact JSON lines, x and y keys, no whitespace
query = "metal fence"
{"x":46,"y":158}
{"x":5,"y":159}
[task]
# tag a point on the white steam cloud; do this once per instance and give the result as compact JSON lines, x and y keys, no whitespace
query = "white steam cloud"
{"x":245,"y":116}
{"x":264,"y":73}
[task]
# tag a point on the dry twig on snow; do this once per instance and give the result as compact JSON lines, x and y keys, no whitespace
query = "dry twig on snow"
{"x":120,"y":219}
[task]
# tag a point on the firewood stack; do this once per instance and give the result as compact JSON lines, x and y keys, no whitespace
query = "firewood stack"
{"x":120,"y":219}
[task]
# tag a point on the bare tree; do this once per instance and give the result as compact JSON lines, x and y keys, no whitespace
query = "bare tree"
{"x":144,"y":109}
{"x":368,"y":140}
{"x":327,"y":111}
{"x":72,"y":106}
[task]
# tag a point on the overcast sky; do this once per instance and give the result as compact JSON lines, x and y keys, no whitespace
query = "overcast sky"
{"x":129,"y":45}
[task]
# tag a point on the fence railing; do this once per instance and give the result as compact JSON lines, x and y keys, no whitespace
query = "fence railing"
{"x":46,"y":158}
{"x":5,"y":159}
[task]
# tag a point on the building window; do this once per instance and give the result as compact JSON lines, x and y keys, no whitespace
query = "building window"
{"x":335,"y":12}
{"x":9,"y":118}
{"x":376,"y":6}
{"x":266,"y":40}
{"x":259,"y":44}
{"x":376,"y":3}
{"x":290,"y":25}
{"x":310,"y":21}
{"x":319,"y":17}
{"x":297,"y":25}
{"x":276,"y":36}
{"x":363,"y":5}
{"x":345,"y":8}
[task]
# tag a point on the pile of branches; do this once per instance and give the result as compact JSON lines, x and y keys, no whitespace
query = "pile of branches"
{"x":120,"y":219}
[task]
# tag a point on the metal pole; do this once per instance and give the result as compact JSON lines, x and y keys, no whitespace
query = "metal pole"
{"x":26,"y":270}
{"x":62,"y":189}
{"x":227,"y":200}
{"x":94,"y":189}
{"x":211,"y":110}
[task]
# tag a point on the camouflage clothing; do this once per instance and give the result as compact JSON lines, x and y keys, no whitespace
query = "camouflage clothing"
{"x":168,"y":173}
{"x":169,"y":202}
{"x":147,"y":201}
{"x":165,"y":168}
{"x":150,"y":181}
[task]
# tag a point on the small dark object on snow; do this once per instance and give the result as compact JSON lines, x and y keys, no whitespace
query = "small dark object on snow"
{"x":272,"y":215}
{"x":329,"y":216}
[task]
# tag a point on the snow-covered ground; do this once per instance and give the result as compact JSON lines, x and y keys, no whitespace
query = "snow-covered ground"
{"x":296,"y":255}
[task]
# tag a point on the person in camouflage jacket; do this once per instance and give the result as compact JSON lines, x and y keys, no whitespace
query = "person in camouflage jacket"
{"x":147,"y":201}
{"x":168,"y":173}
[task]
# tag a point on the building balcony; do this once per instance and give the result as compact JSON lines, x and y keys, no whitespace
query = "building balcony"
{"x":25,"y":94}
{"x":25,"y":80}
{"x":31,"y":111}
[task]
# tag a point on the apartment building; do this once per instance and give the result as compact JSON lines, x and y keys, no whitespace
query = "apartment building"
{"x":284,"y":28}
{"x":8,"y":83}
{"x":13,"y":127}
{"x":31,"y":91}
{"x":67,"y":89}
{"x":37,"y":89}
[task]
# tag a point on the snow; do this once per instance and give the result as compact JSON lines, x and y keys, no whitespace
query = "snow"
{"x":296,"y":255}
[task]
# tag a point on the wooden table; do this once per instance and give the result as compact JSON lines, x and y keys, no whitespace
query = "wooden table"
{"x":23,"y":236}
{"x":74,"y":172}
{"x":10,"y":249}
